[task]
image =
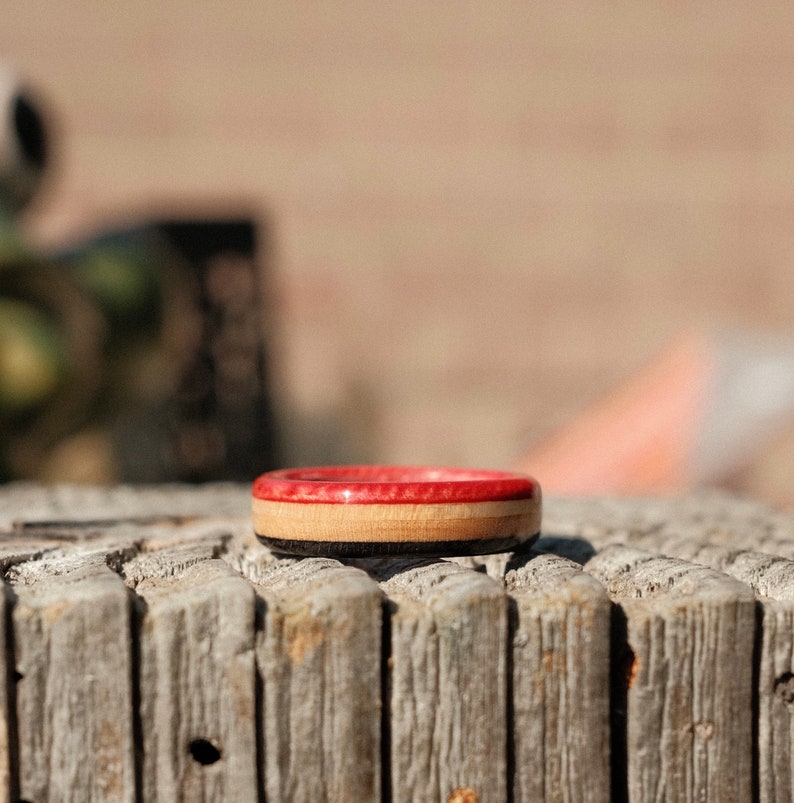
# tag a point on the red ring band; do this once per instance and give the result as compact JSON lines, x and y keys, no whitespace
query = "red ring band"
{"x":385,"y":485}
{"x":394,"y":510}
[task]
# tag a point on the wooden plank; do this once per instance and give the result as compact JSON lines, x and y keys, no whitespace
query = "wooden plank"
{"x":560,"y":682}
{"x":772,"y":580}
{"x":468,"y":658}
{"x":13,"y":550}
{"x":73,"y":665}
{"x":447,"y":691}
{"x":688,"y":726}
{"x":37,"y":552}
{"x":8,"y":782}
{"x":776,"y":702}
{"x":717,"y":518}
{"x":319,"y":652}
{"x":196,"y":676}
{"x":726,"y":534}
{"x":53,"y":503}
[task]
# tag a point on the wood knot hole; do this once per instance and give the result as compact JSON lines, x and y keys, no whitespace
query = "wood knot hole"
{"x":204,"y":752}
{"x":628,"y":667}
{"x":784,"y":688}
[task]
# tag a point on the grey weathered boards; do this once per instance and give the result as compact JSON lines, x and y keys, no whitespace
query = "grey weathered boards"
{"x":684,"y":625}
{"x":154,"y":650}
{"x":560,"y":669}
{"x":742,"y":540}
{"x":447,"y":678}
{"x":318,"y":653}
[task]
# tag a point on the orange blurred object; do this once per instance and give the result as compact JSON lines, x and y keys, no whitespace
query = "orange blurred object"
{"x":698,"y":415}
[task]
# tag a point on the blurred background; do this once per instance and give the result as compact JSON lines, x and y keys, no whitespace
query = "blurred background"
{"x":477,"y":228}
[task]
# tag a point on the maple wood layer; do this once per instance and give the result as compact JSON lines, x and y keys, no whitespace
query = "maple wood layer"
{"x":395,"y":522}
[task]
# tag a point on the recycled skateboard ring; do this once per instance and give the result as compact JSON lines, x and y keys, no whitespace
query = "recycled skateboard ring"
{"x":369,"y":511}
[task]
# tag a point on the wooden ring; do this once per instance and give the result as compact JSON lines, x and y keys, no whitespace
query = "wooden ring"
{"x":366,"y":511}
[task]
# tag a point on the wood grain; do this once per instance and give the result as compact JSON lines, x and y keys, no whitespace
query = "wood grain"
{"x":706,"y":517}
{"x":406,"y":523}
{"x":74,"y":668}
{"x":318,"y":652}
{"x":726,"y":534}
{"x":688,"y":729}
{"x":7,"y":699}
{"x":447,"y":693}
{"x":226,"y":672}
{"x":196,"y":683}
{"x":560,"y":682}
{"x":36,"y":504}
{"x":772,"y":579}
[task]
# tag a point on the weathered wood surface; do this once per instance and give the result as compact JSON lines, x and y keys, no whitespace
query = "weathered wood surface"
{"x":685,"y":624}
{"x":740,"y":539}
{"x":318,"y":652}
{"x":560,"y":685}
{"x":152,"y":649}
{"x":447,"y":681}
{"x":196,"y":677}
{"x":73,"y":669}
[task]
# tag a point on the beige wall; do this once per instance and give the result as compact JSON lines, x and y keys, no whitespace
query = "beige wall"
{"x":483,"y":213}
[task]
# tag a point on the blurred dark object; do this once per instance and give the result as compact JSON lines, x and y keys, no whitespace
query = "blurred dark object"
{"x":220,"y":422}
{"x":24,"y":149}
{"x":140,"y":355}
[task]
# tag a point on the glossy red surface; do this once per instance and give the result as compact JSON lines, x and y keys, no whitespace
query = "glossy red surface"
{"x":379,"y":485}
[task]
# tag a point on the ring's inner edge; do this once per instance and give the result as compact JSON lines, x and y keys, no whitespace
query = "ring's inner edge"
{"x":392,"y":476}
